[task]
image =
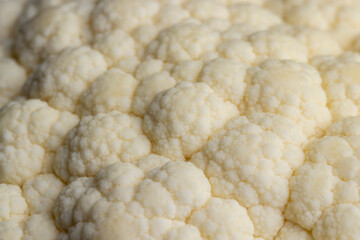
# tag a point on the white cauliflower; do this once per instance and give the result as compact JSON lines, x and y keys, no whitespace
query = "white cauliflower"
{"x":325,"y":191}
{"x":340,"y":81}
{"x":251,"y":161}
{"x":113,"y":90}
{"x":98,"y":141}
{"x":30,"y":133}
{"x":51,"y":31}
{"x":61,"y":79}
{"x":179,"y":119}
{"x":122,"y":202}
{"x":289,"y":89}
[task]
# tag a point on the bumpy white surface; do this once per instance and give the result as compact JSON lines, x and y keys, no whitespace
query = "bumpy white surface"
{"x":31,"y":132}
{"x":97,"y":141}
{"x":179,"y":119}
{"x":251,"y":161}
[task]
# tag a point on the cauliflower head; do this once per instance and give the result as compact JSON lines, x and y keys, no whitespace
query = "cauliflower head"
{"x":179,"y":119}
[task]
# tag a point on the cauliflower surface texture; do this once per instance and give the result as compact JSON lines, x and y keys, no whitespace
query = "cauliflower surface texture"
{"x":179,"y":120}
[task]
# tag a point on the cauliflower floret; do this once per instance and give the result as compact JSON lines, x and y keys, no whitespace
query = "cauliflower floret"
{"x":147,"y":90}
{"x":10,"y":230}
{"x":27,"y":213}
{"x":343,"y":220}
{"x":168,"y":15}
{"x":323,"y":189}
{"x":115,"y":46}
{"x":155,"y":77}
{"x":98,"y":141}
{"x":340,"y":18}
{"x":123,"y":14}
{"x":345,"y":127}
{"x":40,"y":193}
{"x":113,"y":90}
{"x":270,"y":44}
{"x":257,"y":47}
{"x":289,"y":89}
{"x":227,"y":78}
{"x":143,"y":19}
{"x":30,"y":133}
{"x":223,"y":219}
{"x":12,"y":77}
{"x":181,"y":42}
{"x":252,"y":160}
{"x":239,"y":50}
{"x":53,"y":30}
{"x":188,"y":71}
{"x":12,"y":204}
{"x":316,"y":41}
{"x":124,"y":202}
{"x":181,"y":119}
{"x":61,"y":79}
{"x":40,"y":226}
{"x":340,"y":80}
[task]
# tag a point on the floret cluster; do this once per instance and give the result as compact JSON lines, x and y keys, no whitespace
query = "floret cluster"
{"x":180,"y":119}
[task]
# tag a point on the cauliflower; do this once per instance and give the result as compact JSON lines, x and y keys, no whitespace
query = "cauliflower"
{"x":179,"y":119}
{"x":13,"y":205}
{"x":97,"y":141}
{"x":339,"y":18}
{"x":130,"y":208}
{"x":181,"y":42}
{"x":27,"y":213}
{"x":324,"y":192}
{"x":289,"y":89}
{"x":51,"y":31}
{"x":13,"y":210}
{"x":113,"y":90}
{"x":30,"y":134}
{"x":316,"y":41}
{"x":340,"y":77}
{"x":251,"y":161}
{"x":226,"y":77}
{"x":61,"y":84}
{"x":148,"y":89}
{"x":115,"y":46}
